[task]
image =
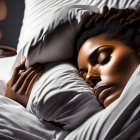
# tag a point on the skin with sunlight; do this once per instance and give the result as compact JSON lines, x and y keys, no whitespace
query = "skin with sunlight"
{"x":106,"y":65}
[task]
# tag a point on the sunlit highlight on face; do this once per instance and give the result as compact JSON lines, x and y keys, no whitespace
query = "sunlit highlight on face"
{"x":106,"y":65}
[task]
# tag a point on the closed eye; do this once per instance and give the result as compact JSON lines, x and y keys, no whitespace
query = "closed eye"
{"x":83,"y":74}
{"x":105,"y":61}
{"x":101,"y":55}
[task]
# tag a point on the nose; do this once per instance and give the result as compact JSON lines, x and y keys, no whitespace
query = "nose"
{"x":93,"y":76}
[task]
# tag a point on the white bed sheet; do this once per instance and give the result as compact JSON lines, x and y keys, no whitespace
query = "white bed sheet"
{"x":5,"y":71}
{"x":5,"y":67}
{"x":18,"y":124}
{"x":118,"y":121}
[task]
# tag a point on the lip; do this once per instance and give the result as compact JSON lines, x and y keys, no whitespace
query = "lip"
{"x":102,"y":92}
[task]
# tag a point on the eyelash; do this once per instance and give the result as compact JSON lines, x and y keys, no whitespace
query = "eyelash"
{"x":83,"y":75}
{"x":105,"y":61}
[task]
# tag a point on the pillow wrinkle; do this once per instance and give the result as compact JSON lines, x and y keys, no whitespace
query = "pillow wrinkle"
{"x":48,"y":35}
{"x":60,"y":95}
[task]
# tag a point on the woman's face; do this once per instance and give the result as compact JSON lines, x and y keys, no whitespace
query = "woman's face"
{"x":106,"y":65}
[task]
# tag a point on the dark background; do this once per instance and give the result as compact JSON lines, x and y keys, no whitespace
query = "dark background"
{"x":11,"y":26}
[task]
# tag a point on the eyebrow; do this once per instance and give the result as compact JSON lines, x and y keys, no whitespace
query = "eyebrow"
{"x":96,"y":50}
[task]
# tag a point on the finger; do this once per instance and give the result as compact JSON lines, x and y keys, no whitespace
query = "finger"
{"x":35,"y":78}
{"x":21,"y":65}
{"x":29,"y":71}
{"x":25,"y":77}
{"x":15,"y":75}
{"x":29,"y":80}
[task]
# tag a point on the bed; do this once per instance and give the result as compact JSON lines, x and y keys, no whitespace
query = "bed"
{"x":61,"y":105}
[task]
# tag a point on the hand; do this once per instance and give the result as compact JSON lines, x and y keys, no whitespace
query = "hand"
{"x":19,"y":86}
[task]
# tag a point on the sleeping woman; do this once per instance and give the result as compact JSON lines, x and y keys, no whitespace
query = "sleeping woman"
{"x":107,"y":54}
{"x":108,"y":51}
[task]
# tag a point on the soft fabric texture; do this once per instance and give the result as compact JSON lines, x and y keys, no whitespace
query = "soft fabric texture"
{"x":5,"y":72}
{"x":16,"y":123}
{"x":43,"y":17}
{"x":62,"y":96}
{"x":2,"y":87}
{"x":57,"y":36}
{"x":5,"y":67}
{"x":119,"y":121}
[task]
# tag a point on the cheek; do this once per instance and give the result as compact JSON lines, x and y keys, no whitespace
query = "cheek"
{"x":119,"y":69}
{"x":120,"y":65}
{"x":123,"y":64}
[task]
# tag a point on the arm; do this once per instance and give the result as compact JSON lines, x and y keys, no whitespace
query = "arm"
{"x":19,"y":86}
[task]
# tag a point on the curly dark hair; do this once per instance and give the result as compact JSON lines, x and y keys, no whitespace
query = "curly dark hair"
{"x":121,"y":24}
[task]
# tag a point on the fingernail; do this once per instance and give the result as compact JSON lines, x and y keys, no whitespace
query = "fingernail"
{"x":23,"y":60}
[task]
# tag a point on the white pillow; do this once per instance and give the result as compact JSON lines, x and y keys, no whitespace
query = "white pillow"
{"x":42,"y":17}
{"x":61,"y":96}
{"x":56,"y":39}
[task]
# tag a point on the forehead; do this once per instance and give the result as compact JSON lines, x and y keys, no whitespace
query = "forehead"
{"x":95,"y":42}
{"x":86,"y":49}
{"x":90,"y":45}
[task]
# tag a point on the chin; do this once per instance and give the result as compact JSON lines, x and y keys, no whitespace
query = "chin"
{"x":110,"y":99}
